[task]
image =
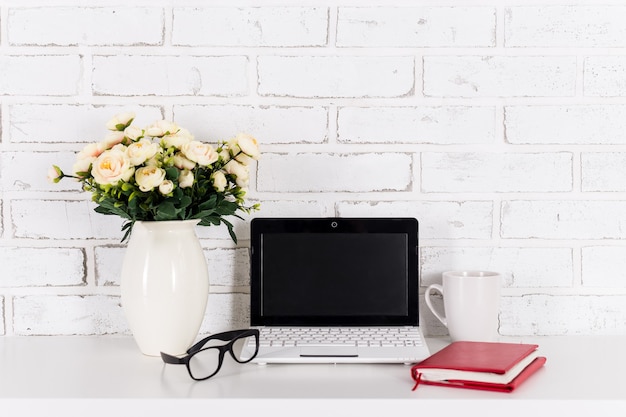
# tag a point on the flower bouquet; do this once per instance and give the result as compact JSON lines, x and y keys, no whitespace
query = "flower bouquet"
{"x":161,"y":172}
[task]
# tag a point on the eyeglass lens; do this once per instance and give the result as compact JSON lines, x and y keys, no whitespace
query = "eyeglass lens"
{"x":244,"y":348}
{"x":205,"y":363}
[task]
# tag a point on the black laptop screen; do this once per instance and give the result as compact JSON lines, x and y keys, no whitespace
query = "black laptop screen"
{"x":341,"y":274}
{"x":334,"y":275}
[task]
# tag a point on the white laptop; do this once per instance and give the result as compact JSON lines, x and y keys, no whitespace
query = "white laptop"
{"x":336,"y":290}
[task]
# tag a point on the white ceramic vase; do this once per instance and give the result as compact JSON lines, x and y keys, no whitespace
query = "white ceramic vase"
{"x":164,"y":285}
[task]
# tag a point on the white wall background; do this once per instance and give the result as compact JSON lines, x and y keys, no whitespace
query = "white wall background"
{"x":500,"y":126}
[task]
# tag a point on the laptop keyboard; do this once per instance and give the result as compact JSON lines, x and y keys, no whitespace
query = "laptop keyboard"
{"x":340,"y":336}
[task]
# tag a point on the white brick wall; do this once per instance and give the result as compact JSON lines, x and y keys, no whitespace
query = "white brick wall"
{"x":335,"y":76}
{"x":443,"y":125}
{"x":40,"y":74}
{"x":500,"y":125}
{"x":217,"y":122}
{"x":452,"y":172}
{"x":53,"y":267}
{"x":565,"y":25}
{"x":499,"y":76}
{"x":252,"y":26}
{"x":578,"y":124}
{"x":416,"y":26}
{"x":58,"y":123}
{"x":330,"y":172}
{"x":148,"y":75}
{"x":67,"y":26}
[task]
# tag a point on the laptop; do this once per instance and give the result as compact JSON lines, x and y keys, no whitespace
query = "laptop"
{"x":336,"y":290}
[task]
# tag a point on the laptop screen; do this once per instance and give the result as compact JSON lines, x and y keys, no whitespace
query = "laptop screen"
{"x":334,"y":271}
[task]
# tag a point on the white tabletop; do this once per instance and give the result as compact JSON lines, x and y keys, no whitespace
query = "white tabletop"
{"x":580,"y":372}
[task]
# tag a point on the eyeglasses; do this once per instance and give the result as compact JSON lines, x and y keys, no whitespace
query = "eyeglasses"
{"x":204,"y":362}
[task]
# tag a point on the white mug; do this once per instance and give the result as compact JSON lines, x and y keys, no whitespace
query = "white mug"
{"x":471,"y":301}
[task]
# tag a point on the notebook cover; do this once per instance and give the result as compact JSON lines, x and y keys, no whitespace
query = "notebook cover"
{"x":485,"y":386}
{"x":494,"y":357}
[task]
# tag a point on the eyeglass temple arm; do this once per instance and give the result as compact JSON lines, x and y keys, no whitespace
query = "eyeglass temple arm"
{"x":172,"y":359}
{"x":226,"y":336}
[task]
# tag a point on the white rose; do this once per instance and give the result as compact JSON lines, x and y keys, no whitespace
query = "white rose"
{"x":112,"y":139}
{"x":199,"y":152}
{"x":133,"y":132}
{"x":185,"y":179}
{"x":233,"y":147}
{"x":112,"y":166}
{"x":120,"y":121}
{"x":85,"y":157}
{"x":243,"y":183}
{"x":119,"y":147}
{"x":181,"y":162}
{"x":149,"y":177}
{"x":244,"y":159}
{"x":178,"y":139}
{"x":161,"y":128}
{"x":248,"y":145}
{"x":239,"y":171}
{"x":236,"y":169}
{"x":219,"y":181}
{"x":152,"y":162}
{"x":82,"y":165}
{"x":90,"y":151}
{"x":224,"y":155}
{"x":166,"y":187}
{"x":142,"y":150}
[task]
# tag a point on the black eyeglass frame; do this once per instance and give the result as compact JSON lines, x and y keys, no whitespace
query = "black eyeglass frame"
{"x":231,"y":337}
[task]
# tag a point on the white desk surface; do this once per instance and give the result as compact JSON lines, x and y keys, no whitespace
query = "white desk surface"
{"x":102,"y":374}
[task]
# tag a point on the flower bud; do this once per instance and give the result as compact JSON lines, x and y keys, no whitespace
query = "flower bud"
{"x":120,"y":121}
{"x":219,"y":181}
{"x":185,"y":179}
{"x":166,"y":187}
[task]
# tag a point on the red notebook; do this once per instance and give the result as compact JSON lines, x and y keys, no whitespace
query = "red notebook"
{"x":491,"y":366}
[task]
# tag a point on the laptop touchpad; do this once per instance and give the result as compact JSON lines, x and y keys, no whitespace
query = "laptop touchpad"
{"x":329,"y":352}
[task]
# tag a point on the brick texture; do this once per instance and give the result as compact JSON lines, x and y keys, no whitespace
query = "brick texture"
{"x":416,"y":26}
{"x":132,"y":75}
{"x":334,"y":172}
{"x":500,"y":127}
{"x":499,"y":76}
{"x":442,"y":125}
{"x":495,"y":172}
{"x":335,"y":76}
{"x":250,"y":26}
{"x":68,"y":123}
{"x":40,"y":75}
{"x":565,"y":26}
{"x":67,"y":26}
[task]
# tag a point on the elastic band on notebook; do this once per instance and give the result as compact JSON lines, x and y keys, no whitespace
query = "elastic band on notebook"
{"x":417,"y":379}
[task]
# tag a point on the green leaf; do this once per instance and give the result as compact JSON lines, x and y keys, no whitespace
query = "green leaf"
{"x":128,"y":226}
{"x":185,"y":201}
{"x":210,"y":220}
{"x":171,"y":173}
{"x":231,"y":230}
{"x":203,"y":214}
{"x":226,"y":208}
{"x":166,"y":211}
{"x":102,"y":210}
{"x":209,"y":204}
{"x":107,"y":206}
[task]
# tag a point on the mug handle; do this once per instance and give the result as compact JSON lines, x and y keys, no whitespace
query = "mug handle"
{"x":439,"y":289}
